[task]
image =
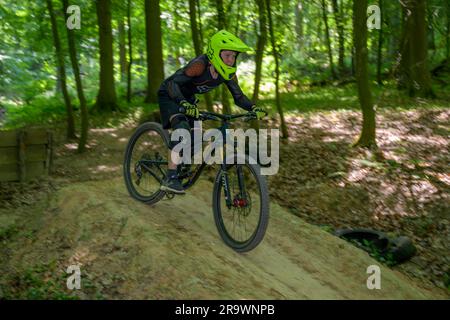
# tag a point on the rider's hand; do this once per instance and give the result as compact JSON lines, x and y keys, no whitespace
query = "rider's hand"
{"x":260,"y":112}
{"x":191,"y":109}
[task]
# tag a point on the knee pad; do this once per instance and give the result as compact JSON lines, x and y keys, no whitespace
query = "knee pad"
{"x":179,"y":121}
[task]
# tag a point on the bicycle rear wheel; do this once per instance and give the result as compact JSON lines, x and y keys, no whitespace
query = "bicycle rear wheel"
{"x":145,"y":162}
{"x":242,"y":224}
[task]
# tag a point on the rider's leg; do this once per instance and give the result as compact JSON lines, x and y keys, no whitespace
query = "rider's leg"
{"x":177,"y":121}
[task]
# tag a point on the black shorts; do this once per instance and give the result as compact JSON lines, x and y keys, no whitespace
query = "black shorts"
{"x":168,"y":108}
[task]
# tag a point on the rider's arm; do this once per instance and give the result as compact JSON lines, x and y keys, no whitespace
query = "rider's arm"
{"x":195,"y":68}
{"x":240,"y":99}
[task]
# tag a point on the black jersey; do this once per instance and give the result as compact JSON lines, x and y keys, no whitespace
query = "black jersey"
{"x":196,"y":78}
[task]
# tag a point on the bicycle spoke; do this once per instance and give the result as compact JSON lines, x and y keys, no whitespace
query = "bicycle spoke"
{"x":146,"y":163}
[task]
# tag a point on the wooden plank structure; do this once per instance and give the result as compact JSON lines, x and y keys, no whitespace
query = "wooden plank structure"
{"x":25,"y":154}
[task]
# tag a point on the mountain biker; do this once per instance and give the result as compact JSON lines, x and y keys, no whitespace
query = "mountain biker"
{"x":201,"y":75}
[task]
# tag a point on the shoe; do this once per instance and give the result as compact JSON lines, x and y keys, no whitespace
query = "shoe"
{"x":172,"y":184}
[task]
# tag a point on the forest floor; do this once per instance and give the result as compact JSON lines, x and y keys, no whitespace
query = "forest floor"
{"x":82,"y":214}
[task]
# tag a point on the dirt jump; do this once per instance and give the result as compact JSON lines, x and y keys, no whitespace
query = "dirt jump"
{"x":172,"y":250}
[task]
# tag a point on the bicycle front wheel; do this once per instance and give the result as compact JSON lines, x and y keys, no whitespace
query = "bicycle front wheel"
{"x":242,"y":220}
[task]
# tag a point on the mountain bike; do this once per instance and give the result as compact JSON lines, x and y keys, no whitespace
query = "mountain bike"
{"x":240,"y":197}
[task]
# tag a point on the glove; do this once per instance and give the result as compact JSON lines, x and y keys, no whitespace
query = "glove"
{"x":191,"y":109}
{"x":260,"y":112}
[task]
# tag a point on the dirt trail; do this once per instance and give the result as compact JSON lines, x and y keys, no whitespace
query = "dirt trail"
{"x":172,"y":250}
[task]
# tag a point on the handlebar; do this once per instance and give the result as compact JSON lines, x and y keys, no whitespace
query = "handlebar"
{"x":206,"y":115}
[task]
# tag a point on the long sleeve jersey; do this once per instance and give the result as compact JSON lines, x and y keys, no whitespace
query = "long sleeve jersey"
{"x":196,"y":78}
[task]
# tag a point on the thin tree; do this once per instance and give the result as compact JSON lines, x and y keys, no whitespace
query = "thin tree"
{"x":194,"y":27}
{"x":79,"y":85}
{"x":106,"y":98}
{"x":430,"y":27}
{"x":380,"y":44}
{"x":175,"y":49}
{"x":367,"y":137}
{"x":448,"y":32}
{"x":260,"y":45}
{"x":197,"y":43}
{"x":298,"y":11}
{"x":130,"y":52}
{"x":155,"y":65}
{"x":284,"y":131}
{"x":208,"y":98}
{"x":62,"y":72}
{"x":402,"y":68}
{"x":338,"y":17}
{"x":238,"y":15}
{"x":199,"y":21}
{"x":419,"y":53}
{"x":327,"y":38}
{"x":122,"y":49}
{"x":221,"y":23}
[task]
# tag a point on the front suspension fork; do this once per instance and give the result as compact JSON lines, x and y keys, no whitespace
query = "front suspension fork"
{"x":241,"y":182}
{"x":226,"y":186}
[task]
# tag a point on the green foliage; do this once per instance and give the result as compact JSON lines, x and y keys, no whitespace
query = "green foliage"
{"x":447,"y":280}
{"x":42,"y":111}
{"x":8,"y":232}
{"x":39,"y":282}
{"x":382,"y":256}
{"x":28,"y":82}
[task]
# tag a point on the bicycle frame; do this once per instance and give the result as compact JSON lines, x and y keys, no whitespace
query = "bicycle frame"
{"x":223,"y":129}
{"x":225,"y":119}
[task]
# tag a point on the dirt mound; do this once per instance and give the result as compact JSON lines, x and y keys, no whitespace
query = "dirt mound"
{"x":172,"y":250}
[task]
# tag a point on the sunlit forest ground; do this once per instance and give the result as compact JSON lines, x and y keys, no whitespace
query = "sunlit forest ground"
{"x":401,"y":188}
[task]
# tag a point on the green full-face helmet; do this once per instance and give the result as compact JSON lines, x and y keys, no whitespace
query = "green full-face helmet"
{"x":223,"y":40}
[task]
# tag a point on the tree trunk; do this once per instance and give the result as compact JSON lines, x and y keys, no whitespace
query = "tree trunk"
{"x":419,"y":50}
{"x":122,"y":50}
{"x":380,"y":45}
{"x":367,"y":138}
{"x":61,"y":72}
{"x":338,"y":17}
{"x":353,"y":62}
{"x":391,"y":39}
{"x":76,"y":73}
{"x":198,"y":44}
{"x":430,"y":27}
{"x":175,"y":49}
{"x":403,"y":73}
{"x":260,"y":44}
{"x":222,"y":25}
{"x":58,"y":82}
{"x":194,"y":28}
{"x":328,"y":40}
{"x":448,"y":31}
{"x":298,"y":10}
{"x":419,"y":83}
{"x":238,"y":18}
{"x":284,"y":130}
{"x":155,"y":66}
{"x":106,"y":98}
{"x":220,"y":15}
{"x":130,"y":52}
{"x":199,"y":21}
{"x":208,"y":98}
{"x":318,"y":38}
